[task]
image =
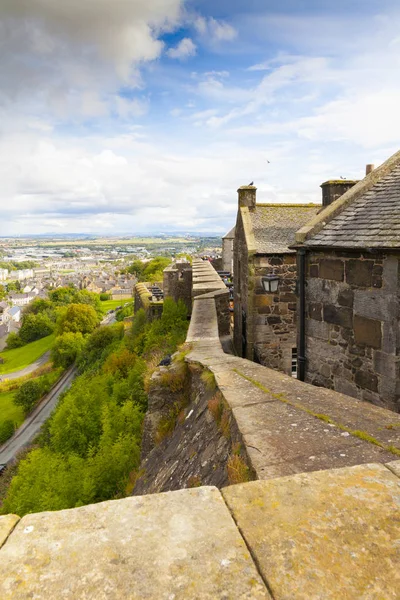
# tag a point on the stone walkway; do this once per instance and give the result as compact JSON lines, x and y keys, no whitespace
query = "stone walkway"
{"x":324,"y":535}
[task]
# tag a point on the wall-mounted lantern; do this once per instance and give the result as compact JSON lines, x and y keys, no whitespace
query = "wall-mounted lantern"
{"x":270,"y":283}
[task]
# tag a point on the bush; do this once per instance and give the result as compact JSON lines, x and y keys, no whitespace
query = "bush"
{"x":6,"y":430}
{"x":104,"y":297}
{"x":14,"y":341}
{"x":28,"y":394}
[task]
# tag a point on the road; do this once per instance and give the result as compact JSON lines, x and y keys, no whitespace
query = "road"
{"x":32,"y":424}
{"x":29,"y":369}
{"x":109,"y":319}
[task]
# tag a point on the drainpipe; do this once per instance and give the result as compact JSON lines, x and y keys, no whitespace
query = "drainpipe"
{"x":301,"y":355}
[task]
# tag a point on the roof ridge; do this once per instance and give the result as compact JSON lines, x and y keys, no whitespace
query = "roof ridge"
{"x":333,"y":210}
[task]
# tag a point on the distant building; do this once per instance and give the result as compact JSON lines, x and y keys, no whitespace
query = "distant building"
{"x":15,"y":314}
{"x":21,"y":299}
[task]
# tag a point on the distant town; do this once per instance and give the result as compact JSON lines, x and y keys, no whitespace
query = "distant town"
{"x":30,"y":267}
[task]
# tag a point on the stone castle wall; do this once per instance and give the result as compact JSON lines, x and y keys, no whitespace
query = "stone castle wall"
{"x":352,"y":335}
{"x":143,"y":300}
{"x":177,"y":283}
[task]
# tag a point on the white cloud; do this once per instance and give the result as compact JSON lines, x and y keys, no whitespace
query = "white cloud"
{"x":70,"y":55}
{"x":183,"y":50}
{"x":215,"y":30}
{"x":131,"y":107}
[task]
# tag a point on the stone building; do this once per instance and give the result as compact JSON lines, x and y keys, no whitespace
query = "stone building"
{"x":227,"y":250}
{"x":177,"y":283}
{"x":349,"y":338}
{"x":265,"y":322}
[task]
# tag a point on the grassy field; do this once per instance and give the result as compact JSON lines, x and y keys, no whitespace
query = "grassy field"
{"x":8,"y":410}
{"x":19,"y":358}
{"x":107,"y":305}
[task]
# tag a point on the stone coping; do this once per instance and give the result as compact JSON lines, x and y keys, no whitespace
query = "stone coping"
{"x":328,"y":534}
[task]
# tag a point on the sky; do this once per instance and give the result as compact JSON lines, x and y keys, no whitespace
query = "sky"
{"x":145,"y":116}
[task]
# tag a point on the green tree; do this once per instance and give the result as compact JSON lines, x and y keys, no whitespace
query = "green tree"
{"x":62,"y":296}
{"x":3,"y":292}
{"x":85,"y":297}
{"x":78,"y":317}
{"x":99,"y":344}
{"x":66,"y":348}
{"x":34,"y":327}
{"x":13,"y":286}
{"x":28,"y":394}
{"x":136,"y":268}
{"x":39,"y":305}
{"x":153,"y":270}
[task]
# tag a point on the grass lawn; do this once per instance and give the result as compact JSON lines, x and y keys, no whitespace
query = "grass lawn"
{"x":112,"y":304}
{"x":8,"y":410}
{"x":19,"y":358}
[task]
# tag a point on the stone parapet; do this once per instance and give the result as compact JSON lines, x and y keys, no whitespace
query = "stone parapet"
{"x":331,"y":534}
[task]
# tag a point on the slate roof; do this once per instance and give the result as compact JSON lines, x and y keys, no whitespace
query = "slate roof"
{"x":369,"y":218}
{"x":274,"y":225}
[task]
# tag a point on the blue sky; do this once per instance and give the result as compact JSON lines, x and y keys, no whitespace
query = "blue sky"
{"x":142,"y":116}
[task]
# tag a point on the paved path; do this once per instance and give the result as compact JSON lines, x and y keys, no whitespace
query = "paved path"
{"x":32,"y":424}
{"x":29,"y":369}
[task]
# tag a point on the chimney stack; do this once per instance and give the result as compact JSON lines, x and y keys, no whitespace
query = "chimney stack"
{"x":247,"y":196}
{"x":369,"y":169}
{"x":334,"y":188}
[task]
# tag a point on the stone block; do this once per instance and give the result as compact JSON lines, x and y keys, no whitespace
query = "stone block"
{"x":315,"y":311}
{"x":394,"y":466}
{"x":346,"y":297}
{"x":261,"y":300}
{"x":314,"y":271}
{"x":317,"y":329}
{"x":366,"y":380}
{"x":331,"y":269}
{"x":343,"y":386}
{"x":367,"y":331}
{"x":287,"y":297}
{"x":359,"y":272}
{"x":341,"y":316}
{"x":182,"y":545}
{"x":7,"y":524}
{"x":385,"y":364}
{"x":390,"y":336}
{"x":323,"y":290}
{"x":329,"y":534}
{"x":390,"y":274}
{"x":375,"y":304}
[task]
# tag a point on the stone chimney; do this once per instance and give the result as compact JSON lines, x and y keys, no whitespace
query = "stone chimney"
{"x":247,"y":196}
{"x":369,"y":169}
{"x":334,"y":188}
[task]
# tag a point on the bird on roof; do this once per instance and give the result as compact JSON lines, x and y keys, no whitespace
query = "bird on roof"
{"x":251,"y":183}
